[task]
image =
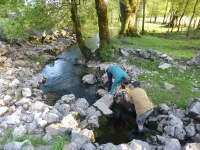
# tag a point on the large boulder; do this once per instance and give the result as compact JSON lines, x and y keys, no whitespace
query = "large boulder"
{"x":194,"y":60}
{"x":165,"y":66}
{"x":92,"y":122}
{"x":3,"y":49}
{"x":168,"y":86}
{"x":68,"y":99}
{"x":124,"y":52}
{"x":62,"y":108}
{"x":51,"y":117}
{"x":80,"y":106}
{"x":137,"y":144}
{"x":31,"y":127}
{"x":192,"y":146}
{"x":104,"y":104}
{"x":190,"y":130}
{"x":38,"y":106}
{"x":19,"y":131}
{"x":26,"y":92}
{"x":82,"y":137}
{"x":107,"y":146}
{"x":103,"y":108}
{"x":172,"y":126}
{"x":169,"y":144}
{"x":12,"y":120}
{"x":101,"y":92}
{"x":3,"y":110}
{"x":14,"y":83}
{"x":194,"y":109}
{"x":69,"y":122}
{"x":23,"y":101}
{"x":70,"y":146}
{"x":88,"y":146}
{"x":89,"y":79}
{"x":82,"y":103}
{"x":16,"y":145}
{"x":92,"y":111}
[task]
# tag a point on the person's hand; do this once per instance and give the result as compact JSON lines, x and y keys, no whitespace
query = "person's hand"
{"x":125,"y":96}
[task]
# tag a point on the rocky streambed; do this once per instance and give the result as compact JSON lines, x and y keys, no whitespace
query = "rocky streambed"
{"x":23,"y":109}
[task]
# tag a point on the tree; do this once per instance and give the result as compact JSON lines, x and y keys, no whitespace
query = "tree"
{"x":104,"y":35}
{"x":77,"y":25}
{"x":165,"y":15}
{"x":182,"y":15}
{"x":198,"y":26}
{"x":193,"y":13}
{"x":143,"y":15}
{"x":127,"y":10}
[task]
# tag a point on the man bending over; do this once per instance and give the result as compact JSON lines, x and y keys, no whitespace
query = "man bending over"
{"x":143,"y":105}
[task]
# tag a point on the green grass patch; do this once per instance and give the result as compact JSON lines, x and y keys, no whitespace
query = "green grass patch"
{"x":144,"y":63}
{"x":106,"y":54}
{"x":178,"y":49}
{"x":58,"y":142}
{"x":184,"y":82}
{"x":37,"y":58}
{"x":35,"y":141}
{"x":6,"y":137}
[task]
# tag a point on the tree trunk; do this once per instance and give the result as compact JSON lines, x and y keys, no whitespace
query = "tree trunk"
{"x":143,"y":15}
{"x":155,"y":19}
{"x":104,"y":35}
{"x":77,"y":25}
{"x":165,"y":11}
{"x":195,"y":21}
{"x":182,"y":15}
{"x":198,"y":26}
{"x":194,"y":10}
{"x":138,"y":7}
{"x":128,"y":9}
{"x":172,"y":23}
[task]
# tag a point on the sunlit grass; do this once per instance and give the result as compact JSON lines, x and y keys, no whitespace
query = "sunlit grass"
{"x":184,"y":82}
{"x":180,"y":49}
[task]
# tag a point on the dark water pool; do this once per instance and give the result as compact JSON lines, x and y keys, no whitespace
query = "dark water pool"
{"x":118,"y":128}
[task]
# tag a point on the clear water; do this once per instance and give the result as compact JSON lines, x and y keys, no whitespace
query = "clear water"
{"x":62,"y":77}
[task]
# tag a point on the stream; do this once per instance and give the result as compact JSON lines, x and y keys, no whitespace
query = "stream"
{"x":62,"y":78}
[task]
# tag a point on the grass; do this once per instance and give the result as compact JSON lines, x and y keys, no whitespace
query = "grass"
{"x":58,"y":142}
{"x":37,"y":58}
{"x":7,"y":137}
{"x":184,"y":82}
{"x":35,"y":141}
{"x":144,"y":63}
{"x":178,"y":49}
{"x":158,"y":38}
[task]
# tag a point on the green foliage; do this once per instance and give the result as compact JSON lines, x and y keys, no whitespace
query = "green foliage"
{"x":106,"y":54}
{"x":6,"y":137}
{"x":184,"y":82}
{"x":37,"y":58}
{"x":144,"y":63}
{"x":35,"y":141}
{"x":18,"y":94}
{"x":102,"y":121}
{"x":58,"y":142}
